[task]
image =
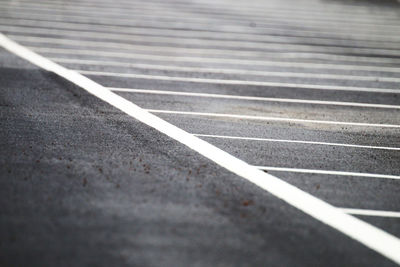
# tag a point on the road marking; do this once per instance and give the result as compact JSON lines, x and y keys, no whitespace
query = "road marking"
{"x":339,"y":173}
{"x":365,"y":212}
{"x":182,"y":33}
{"x":253,"y":98}
{"x":221,"y":44}
{"x":341,"y":26}
{"x":263,"y":118}
{"x":74,"y":51}
{"x":275,"y":28}
{"x":238,"y":82}
{"x":276,"y":14}
{"x":275,"y":55}
{"x":295,"y":141}
{"x":371,"y":236}
{"x":304,"y":10}
{"x":225,"y":71}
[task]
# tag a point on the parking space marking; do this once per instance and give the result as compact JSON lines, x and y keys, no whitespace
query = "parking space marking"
{"x":183,"y":33}
{"x":236,"y":82}
{"x":225,"y":70}
{"x":160,"y":9}
{"x":367,"y":212}
{"x":372,"y":237}
{"x":254,"y":98}
{"x":160,"y":16}
{"x":277,"y":53}
{"x":216,"y":44}
{"x":278,"y":119}
{"x":296,"y":141}
{"x":191,"y":59}
{"x":377,"y":35}
{"x":326,"y":172}
{"x":305,"y":9}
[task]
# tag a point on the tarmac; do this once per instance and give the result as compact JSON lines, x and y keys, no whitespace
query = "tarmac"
{"x":307,"y":91}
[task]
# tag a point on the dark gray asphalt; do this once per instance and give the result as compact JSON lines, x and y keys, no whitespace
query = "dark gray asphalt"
{"x":82,"y":184}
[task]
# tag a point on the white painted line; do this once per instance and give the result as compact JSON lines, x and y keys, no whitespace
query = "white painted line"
{"x":371,"y":236}
{"x":340,"y":26}
{"x":275,"y":28}
{"x":295,"y":141}
{"x":238,"y":82}
{"x":307,"y":6}
{"x":254,"y":98}
{"x":305,"y":10}
{"x":274,"y":13}
{"x":263,"y":118}
{"x":182,"y":33}
{"x":204,"y":52}
{"x":204,"y":43}
{"x":326,"y":172}
{"x":225,"y":70}
{"x":378,"y":213}
{"x":324,"y":66}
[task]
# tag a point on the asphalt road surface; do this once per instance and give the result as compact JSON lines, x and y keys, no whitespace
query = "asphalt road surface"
{"x":307,"y":91}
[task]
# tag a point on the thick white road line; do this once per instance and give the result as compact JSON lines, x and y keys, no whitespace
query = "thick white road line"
{"x":296,"y":141}
{"x":326,"y":172}
{"x":254,"y":98}
{"x":263,"y":118}
{"x":378,"y":213}
{"x":191,"y":59}
{"x":238,"y":82}
{"x":371,"y":236}
{"x":204,"y":52}
{"x":203,"y":43}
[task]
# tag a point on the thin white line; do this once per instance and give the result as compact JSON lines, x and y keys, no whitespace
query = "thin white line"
{"x":254,"y":98}
{"x":242,"y":29}
{"x":239,"y":82}
{"x":262,"y":118}
{"x":365,"y":212}
{"x":156,"y":47}
{"x":303,"y":6}
{"x":247,"y":36}
{"x":226,"y":71}
{"x":301,"y":10}
{"x":306,"y":6}
{"x":372,"y":237}
{"x":277,"y":13}
{"x":222,"y":44}
{"x":325,"y":66}
{"x":295,"y":141}
{"x":340,"y":173}
{"x":316,"y":7}
{"x":163,"y":16}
